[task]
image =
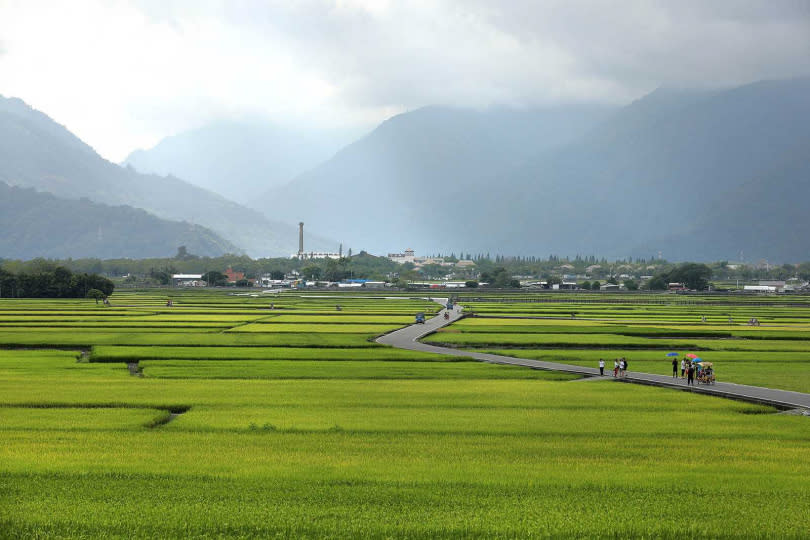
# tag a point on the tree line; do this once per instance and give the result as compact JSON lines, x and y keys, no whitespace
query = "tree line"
{"x":497,"y":269}
{"x":55,"y":282}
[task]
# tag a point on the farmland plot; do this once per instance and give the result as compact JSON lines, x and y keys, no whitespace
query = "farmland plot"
{"x":319,"y":433}
{"x":775,"y":354}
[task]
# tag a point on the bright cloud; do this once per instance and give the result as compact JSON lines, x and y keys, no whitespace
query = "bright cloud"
{"x":123,"y":74}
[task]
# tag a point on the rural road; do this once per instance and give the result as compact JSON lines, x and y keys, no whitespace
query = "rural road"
{"x":406,"y":338}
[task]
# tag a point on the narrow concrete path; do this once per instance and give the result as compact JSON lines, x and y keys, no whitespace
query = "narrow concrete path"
{"x":407,"y":338}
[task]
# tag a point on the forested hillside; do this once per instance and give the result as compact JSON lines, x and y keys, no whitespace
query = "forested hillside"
{"x":37,"y":224}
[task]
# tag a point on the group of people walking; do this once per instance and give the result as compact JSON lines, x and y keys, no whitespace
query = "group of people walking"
{"x":619,"y":367}
{"x":688,"y":369}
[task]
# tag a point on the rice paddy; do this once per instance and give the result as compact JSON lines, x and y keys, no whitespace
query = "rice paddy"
{"x":643,"y":329}
{"x":222,"y":417}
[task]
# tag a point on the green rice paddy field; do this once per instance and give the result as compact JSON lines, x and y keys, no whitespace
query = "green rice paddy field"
{"x":237,"y":420}
{"x":644,"y":329}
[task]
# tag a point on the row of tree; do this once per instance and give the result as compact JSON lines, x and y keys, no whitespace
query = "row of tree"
{"x":55,"y":282}
{"x":364,"y":265}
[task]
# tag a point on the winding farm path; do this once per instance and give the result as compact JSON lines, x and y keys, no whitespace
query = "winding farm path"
{"x":407,"y":338}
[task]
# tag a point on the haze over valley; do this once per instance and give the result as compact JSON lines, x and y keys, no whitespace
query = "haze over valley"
{"x":239,"y":159}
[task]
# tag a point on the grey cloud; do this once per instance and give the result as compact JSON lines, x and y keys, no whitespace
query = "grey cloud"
{"x":476,"y":52}
{"x":686,"y":42}
{"x":755,"y":11}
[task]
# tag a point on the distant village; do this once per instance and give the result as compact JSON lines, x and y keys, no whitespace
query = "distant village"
{"x":407,"y":269}
{"x":295,"y":279}
{"x":463,"y":273}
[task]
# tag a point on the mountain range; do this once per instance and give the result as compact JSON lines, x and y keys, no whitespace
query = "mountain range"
{"x":695,"y":174}
{"x":37,"y":152}
{"x":420,"y":168}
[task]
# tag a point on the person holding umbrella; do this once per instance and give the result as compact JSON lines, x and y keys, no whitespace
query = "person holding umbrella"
{"x":689,"y":359}
{"x":674,"y":356}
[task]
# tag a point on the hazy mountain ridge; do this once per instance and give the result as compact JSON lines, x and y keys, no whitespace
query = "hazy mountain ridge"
{"x":37,"y":152}
{"x":238,"y":159}
{"x":695,"y":174}
{"x":418,"y":166}
{"x":652,"y":176}
{"x":675,"y":168}
{"x":36,"y":224}
{"x":768,"y":219}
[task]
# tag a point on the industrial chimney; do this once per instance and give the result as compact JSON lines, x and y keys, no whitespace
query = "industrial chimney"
{"x":301,"y":239}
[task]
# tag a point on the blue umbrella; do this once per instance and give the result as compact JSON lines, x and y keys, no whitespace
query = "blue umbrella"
{"x":672,"y":354}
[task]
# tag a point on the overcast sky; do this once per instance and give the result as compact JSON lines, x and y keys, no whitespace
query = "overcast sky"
{"x":124,"y":74}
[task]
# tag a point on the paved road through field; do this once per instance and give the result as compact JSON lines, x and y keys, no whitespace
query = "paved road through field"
{"x":407,"y":338}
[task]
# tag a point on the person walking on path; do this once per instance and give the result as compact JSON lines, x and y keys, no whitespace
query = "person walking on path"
{"x":615,"y":367}
{"x":624,"y":367}
{"x":683,"y":367}
{"x":601,"y":367}
{"x":690,"y":375}
{"x":674,"y":368}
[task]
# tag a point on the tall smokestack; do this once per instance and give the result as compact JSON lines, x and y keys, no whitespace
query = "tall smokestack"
{"x":300,"y":238}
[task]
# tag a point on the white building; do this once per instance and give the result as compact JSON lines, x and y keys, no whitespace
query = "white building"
{"x":315,"y":255}
{"x":759,"y":288}
{"x":402,"y":258}
{"x":778,"y":285}
{"x":270,"y":283}
{"x":188,"y":280}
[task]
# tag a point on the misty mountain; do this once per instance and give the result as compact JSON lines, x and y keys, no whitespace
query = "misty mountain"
{"x":238,"y":159}
{"x":385,"y":191}
{"x":676,"y":172}
{"x":763,"y":218}
{"x":38,"y":224}
{"x":694,"y":174}
{"x":37,"y":152}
